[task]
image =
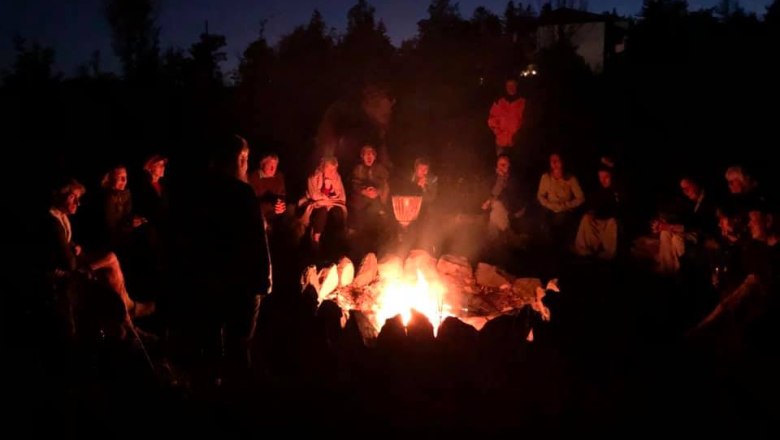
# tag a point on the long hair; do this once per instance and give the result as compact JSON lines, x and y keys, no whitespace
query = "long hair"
{"x":737,"y":173}
{"x":327,"y":160}
{"x":107,"y":181}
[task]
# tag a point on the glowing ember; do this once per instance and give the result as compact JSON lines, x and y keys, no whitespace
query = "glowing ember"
{"x":399,"y":296}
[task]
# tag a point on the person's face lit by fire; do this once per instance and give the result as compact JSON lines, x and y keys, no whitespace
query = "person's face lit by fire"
{"x":269,"y":166}
{"x":502,"y":166}
{"x":759,"y":225}
{"x":119,"y":179}
{"x":556,"y":165}
{"x":157,"y":170}
{"x":511,"y":87}
{"x":690,"y":189}
{"x":736,"y":183}
{"x":605,"y":178}
{"x":731,"y":227}
{"x":421,"y":171}
{"x":71,"y":203}
{"x":330,"y":171}
{"x":368,"y":155}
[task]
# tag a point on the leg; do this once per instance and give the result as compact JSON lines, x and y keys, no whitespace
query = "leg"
{"x":319,"y":217}
{"x":116,"y":279}
{"x":672,"y":247}
{"x":587,"y":240}
{"x":609,"y":239}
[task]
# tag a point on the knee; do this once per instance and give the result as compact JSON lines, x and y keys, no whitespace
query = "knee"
{"x":112,"y":260}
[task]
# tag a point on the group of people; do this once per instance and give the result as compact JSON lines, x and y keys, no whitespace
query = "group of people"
{"x":118,"y":227}
{"x":244,"y":219}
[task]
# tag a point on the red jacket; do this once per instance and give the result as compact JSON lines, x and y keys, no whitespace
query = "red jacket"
{"x":506,"y":118}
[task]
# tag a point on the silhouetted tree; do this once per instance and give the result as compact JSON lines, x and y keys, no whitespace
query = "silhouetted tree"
{"x":206,"y":57}
{"x":254,"y":87}
{"x":365,"y":47}
{"x":135,"y":36}
{"x":304,"y":81}
{"x":33,"y":65}
{"x":727,"y":8}
{"x":174,"y":65}
{"x":486,"y":22}
{"x":772,"y":16}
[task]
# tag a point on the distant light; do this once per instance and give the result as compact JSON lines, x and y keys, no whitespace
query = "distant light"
{"x":529,"y":71}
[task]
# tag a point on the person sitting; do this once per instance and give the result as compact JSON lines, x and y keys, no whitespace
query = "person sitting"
{"x":598,"y":231}
{"x":424,"y":183}
{"x":116,"y":220}
{"x":269,"y":186}
{"x":370,"y":191}
{"x":67,"y":258}
{"x":151,"y":200}
{"x":504,"y":203}
{"x":325,"y":201}
{"x":753,"y":297}
{"x":677,"y":235}
{"x":743,"y":189}
{"x":559,"y":194}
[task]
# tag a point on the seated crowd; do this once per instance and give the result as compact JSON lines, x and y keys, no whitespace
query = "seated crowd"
{"x":245,"y":220}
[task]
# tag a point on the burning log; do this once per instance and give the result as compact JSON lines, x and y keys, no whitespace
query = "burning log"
{"x":435,"y":289}
{"x":491,"y":276}
{"x":419,"y":259}
{"x":346,"y":271}
{"x":527,"y":288}
{"x":456,"y":267}
{"x":366,"y":272}
{"x":390,"y":267}
{"x":456,"y":274}
{"x":310,"y":277}
{"x":329,"y":281}
{"x":539,"y":305}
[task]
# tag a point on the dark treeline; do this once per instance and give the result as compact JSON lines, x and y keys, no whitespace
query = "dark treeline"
{"x":691,"y":89}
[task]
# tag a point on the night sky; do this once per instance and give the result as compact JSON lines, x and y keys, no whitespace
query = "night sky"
{"x":76,"y":28}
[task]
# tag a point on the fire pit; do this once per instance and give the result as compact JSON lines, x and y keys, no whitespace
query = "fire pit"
{"x":435,"y":288}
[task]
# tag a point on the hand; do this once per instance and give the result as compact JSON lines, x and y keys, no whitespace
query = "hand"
{"x":520,"y":213}
{"x":486,"y":205}
{"x":138,"y":221}
{"x":77,"y":250}
{"x":422,"y":183}
{"x":279,"y":207}
{"x":370,"y":192}
{"x":658,"y":226}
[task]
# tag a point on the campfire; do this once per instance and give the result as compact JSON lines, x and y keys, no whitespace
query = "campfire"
{"x":401,"y":296}
{"x":437,"y":289}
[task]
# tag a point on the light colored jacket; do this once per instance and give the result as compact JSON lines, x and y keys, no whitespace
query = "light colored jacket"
{"x":315,"y":198}
{"x":560,"y":195}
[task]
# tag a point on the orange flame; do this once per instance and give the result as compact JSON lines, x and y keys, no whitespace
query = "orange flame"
{"x":400,"y":296}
